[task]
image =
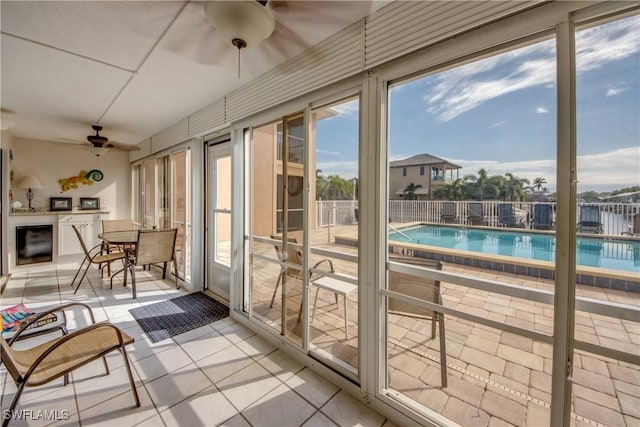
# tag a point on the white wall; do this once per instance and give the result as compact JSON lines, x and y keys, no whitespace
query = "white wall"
{"x":51,"y":161}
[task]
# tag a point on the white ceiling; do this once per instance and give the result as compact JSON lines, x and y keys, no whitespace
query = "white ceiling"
{"x":136,"y":67}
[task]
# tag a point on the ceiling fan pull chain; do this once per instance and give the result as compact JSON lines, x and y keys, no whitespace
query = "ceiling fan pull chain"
{"x":238,"y":62}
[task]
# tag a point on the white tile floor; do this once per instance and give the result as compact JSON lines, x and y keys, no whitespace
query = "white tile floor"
{"x":218,"y":374}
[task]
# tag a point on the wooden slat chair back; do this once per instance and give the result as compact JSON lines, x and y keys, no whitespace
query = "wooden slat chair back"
{"x":57,"y":358}
{"x":152,"y":247}
{"x":93,"y":256}
{"x":421,"y":288}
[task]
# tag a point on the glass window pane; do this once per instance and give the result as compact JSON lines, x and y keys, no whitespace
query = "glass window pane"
{"x":608,"y":253}
{"x":272,"y":284}
{"x":149,"y":194}
{"x":486,"y":131}
{"x":223,"y":238}
{"x":333,"y":219}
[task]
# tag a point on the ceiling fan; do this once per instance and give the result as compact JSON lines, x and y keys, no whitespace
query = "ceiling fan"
{"x":274,"y":30}
{"x":100,"y":144}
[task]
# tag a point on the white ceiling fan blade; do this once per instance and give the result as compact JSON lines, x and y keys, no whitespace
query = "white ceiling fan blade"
{"x":193,"y":37}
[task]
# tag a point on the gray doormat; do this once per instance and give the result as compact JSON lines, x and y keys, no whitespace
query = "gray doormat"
{"x":165,"y":319}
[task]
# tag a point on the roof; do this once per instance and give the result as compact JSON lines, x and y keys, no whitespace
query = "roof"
{"x":619,"y":195}
{"x":421,"y":159}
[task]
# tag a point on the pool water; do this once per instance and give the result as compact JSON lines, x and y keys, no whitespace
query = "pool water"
{"x":594,"y":252}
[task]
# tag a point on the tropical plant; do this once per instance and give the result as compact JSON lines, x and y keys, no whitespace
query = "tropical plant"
{"x":456,"y":190}
{"x":409,"y":192}
{"x":481,"y":185}
{"x":338,"y":188}
{"x":538,"y":183}
{"x":514,"y":188}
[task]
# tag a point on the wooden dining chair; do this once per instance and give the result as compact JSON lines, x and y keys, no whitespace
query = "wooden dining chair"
{"x":154,"y":247}
{"x":94,"y":256}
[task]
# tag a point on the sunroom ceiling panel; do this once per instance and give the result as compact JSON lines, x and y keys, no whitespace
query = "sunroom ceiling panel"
{"x":120,"y":33}
{"x":36,"y":81}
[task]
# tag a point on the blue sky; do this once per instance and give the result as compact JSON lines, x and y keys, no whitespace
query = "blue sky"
{"x":499,"y":113}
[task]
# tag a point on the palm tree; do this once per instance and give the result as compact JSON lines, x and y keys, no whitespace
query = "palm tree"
{"x":409,"y":192}
{"x":538,"y":183}
{"x":482,"y":184}
{"x":321,"y":186}
{"x":513,"y":188}
{"x":338,"y":187}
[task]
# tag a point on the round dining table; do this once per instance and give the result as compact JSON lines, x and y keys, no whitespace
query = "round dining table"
{"x":119,"y":237}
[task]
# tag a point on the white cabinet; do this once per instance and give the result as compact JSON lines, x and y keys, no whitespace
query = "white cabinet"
{"x":89,"y":226}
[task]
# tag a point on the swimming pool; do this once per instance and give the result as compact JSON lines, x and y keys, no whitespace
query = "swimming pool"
{"x":623,"y":255}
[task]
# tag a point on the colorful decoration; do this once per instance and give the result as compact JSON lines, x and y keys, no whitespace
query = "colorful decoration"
{"x":84,"y":178}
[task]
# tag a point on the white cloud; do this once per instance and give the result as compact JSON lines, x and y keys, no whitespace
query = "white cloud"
{"x":464,"y":88}
{"x":458,"y":92}
{"x":331,"y":153}
{"x":541,"y":110}
{"x":613,"y":91}
{"x":496,"y":124}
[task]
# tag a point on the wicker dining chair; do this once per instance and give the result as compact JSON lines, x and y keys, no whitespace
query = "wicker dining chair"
{"x":152,"y":248}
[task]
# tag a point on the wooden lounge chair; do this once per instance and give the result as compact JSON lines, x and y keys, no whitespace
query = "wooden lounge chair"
{"x":424,"y":289}
{"x":57,"y":358}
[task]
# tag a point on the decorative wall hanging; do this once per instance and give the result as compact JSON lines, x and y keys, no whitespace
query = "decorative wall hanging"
{"x":84,"y":178}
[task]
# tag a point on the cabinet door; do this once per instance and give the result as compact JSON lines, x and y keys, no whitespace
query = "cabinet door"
{"x":91,"y":231}
{"x":67,"y":240}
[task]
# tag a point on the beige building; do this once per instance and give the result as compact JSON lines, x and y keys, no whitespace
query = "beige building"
{"x":422,"y":169}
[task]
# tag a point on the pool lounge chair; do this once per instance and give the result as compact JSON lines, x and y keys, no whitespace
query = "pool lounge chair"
{"x":589,"y":220}
{"x":475,"y":215}
{"x":448,"y":215}
{"x":507,"y":216}
{"x":543,"y":217}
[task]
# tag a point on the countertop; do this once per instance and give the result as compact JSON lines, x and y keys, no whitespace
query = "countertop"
{"x":48,"y":212}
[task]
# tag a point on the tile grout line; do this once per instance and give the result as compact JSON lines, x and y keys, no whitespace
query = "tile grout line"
{"x":492,"y":383}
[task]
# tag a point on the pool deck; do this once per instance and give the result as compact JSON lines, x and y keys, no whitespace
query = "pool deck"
{"x":585,"y":275}
{"x":495,"y":378}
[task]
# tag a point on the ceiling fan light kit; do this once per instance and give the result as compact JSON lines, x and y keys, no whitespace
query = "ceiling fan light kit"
{"x":240,"y":23}
{"x":98,"y":151}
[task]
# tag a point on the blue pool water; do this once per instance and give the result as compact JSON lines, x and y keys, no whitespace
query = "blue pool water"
{"x":612,"y":254}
